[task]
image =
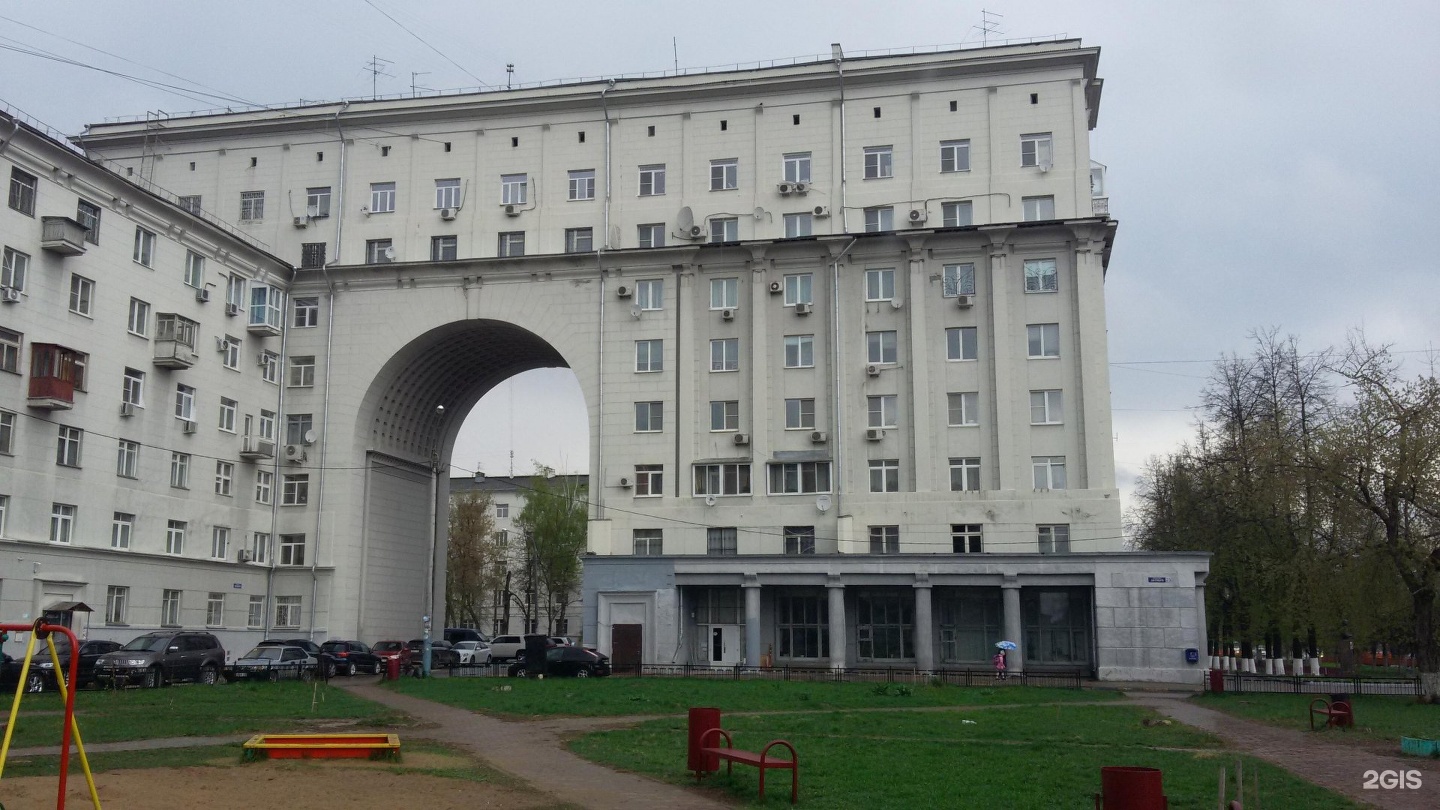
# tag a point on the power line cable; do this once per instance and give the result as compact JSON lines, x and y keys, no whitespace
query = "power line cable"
{"x":422,"y":41}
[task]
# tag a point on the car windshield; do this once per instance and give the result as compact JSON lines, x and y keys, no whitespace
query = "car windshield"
{"x":466,"y":645}
{"x":147,"y":643}
{"x":332,"y":646}
{"x":272,"y":653}
{"x":387,"y":646}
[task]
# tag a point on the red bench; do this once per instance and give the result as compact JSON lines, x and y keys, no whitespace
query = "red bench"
{"x":762,"y":760}
{"x":1337,"y":714}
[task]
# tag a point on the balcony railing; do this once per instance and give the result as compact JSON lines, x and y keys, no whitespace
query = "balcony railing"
{"x":51,"y":393}
{"x":256,"y":449}
{"x":62,"y":235}
{"x":173,"y":354}
{"x":1100,"y":206}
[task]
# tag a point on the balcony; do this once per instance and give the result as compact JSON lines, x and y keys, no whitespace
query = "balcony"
{"x":174,"y":354}
{"x":1100,"y":206}
{"x":62,"y":235}
{"x":51,"y":394}
{"x":257,"y":449}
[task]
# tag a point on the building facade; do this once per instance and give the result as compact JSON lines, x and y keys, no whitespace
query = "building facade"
{"x":839,"y":325}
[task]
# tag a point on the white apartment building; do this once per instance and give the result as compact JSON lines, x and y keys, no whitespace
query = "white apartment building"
{"x":839,"y":325}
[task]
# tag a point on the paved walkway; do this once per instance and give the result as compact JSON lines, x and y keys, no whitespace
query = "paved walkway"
{"x":1339,"y":766}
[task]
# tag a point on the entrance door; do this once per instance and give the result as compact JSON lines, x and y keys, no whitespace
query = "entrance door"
{"x":724,"y":645}
{"x":625,"y":644}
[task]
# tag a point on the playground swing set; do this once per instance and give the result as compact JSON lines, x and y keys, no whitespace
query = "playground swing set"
{"x":39,"y":631}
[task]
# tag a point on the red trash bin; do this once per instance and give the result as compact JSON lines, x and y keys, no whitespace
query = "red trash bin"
{"x":1124,"y":787}
{"x":392,"y":668}
{"x":701,"y":721}
{"x":1217,"y":681}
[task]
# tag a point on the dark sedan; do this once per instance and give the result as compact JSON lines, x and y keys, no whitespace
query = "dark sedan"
{"x":41,"y":677}
{"x":565,"y":662}
{"x":442,"y":655}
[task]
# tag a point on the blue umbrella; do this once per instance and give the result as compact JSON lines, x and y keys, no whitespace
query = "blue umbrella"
{"x":1006,"y":645}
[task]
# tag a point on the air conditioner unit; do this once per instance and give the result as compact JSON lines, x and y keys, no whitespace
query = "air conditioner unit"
{"x":295,"y":452}
{"x":820,"y":211}
{"x":917,"y":216}
{"x":624,"y":483}
{"x":220,"y":344}
{"x":245,"y":555}
{"x":301,"y":222}
{"x":202,"y":295}
{"x":447,"y":214}
{"x":742,"y":439}
{"x":512,"y":210}
{"x":804,"y":308}
{"x":872,"y":370}
{"x":623,"y":291}
{"x":776,"y":287}
{"x":127,"y":409}
{"x":874,"y":434}
{"x":191,"y":426}
{"x":786,"y":188}
{"x":801,"y":188}
{"x":727,"y":314}
{"x":9,"y":295}
{"x":262,"y":360}
{"x":964,"y":301}
{"x":696,"y":231}
{"x":233,"y":309}
{"x":819,"y":437}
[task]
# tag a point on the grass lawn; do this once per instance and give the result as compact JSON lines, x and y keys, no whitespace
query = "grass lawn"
{"x":192,"y":711}
{"x":609,"y":697}
{"x":1038,"y":757}
{"x":1377,"y":717}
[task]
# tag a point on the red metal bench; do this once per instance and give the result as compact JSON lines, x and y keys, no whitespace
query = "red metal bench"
{"x":1337,"y":714}
{"x":762,"y":760}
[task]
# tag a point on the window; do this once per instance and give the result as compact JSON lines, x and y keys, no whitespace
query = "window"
{"x":127,"y":458}
{"x":964,"y":409}
{"x":317,"y":202}
{"x":23,"y":186}
{"x":799,"y":414}
{"x":955,"y":156}
{"x":10,"y":351}
{"x":959,"y":279}
{"x":270,"y":367}
{"x":235,"y":288}
{"x":511,"y":244}
{"x":650,"y":294}
{"x":191,"y":202}
{"x":649,"y":417}
{"x":296,"y":426}
{"x":382,"y":198}
{"x":799,"y":540}
{"x":255,"y":613}
{"x":170,"y":608}
{"x":720,"y":541}
{"x":144,"y":247}
{"x":884,"y":475}
{"x":88,"y":214}
{"x":797,"y":167}
{"x":379,"y":251}
{"x":215,"y":610}
{"x":287,"y":611}
{"x":4,"y":509}
{"x":444,"y":248}
{"x":651,"y":235}
{"x":1038,"y":208}
{"x":302,"y":372}
{"x":252,"y":205}
{"x":725,"y":229}
{"x":652,"y":180}
{"x":1044,"y":339}
{"x":724,"y":293}
{"x":138,"y":322}
{"x":13,"y":270}
{"x":67,"y":446}
{"x":724,"y":415}
{"x":502,"y":510}
{"x":312,"y":255}
{"x":1049,"y":472}
{"x":514,"y":189}
{"x":802,"y":624}
{"x":307,"y":313}
{"x":579,"y":240}
{"x":649,"y":355}
{"x":879,"y":285}
{"x":262,"y":547}
{"x":224,"y":477}
{"x":219,"y":542}
{"x":957,"y":214}
{"x":292,"y":549}
{"x":800,"y":478}
{"x":1035,"y":150}
{"x":264,"y":486}
{"x":230,"y":352}
{"x":879,"y":219}
{"x":447,"y":193}
{"x":52,"y":362}
{"x":884,"y":539}
{"x":132,"y":391}
{"x":964,"y":475}
{"x":1054,"y":539}
{"x":175,"y":536}
{"x":799,"y":225}
{"x":879,"y":162}
{"x":582,"y":184}
{"x":882,"y":410}
{"x":967,"y":538}
{"x":62,"y":522}
{"x":649,"y":542}
{"x":724,"y":174}
{"x":267,"y":425}
{"x":799,"y":289}
{"x":880,"y":347}
{"x":799,"y":351}
{"x":184,"y":403}
{"x":722,"y":479}
{"x":295,"y":490}
{"x":961,"y":343}
{"x":725,"y":354}
{"x":180,"y":470}
{"x":649,"y":480}
{"x":267,"y":307}
{"x":117,"y":598}
{"x":82,"y":294}
{"x":1045,"y":408}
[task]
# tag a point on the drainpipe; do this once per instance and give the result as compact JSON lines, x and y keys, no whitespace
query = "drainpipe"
{"x":839,"y":56}
{"x":597,"y":492}
{"x":838,"y":480}
{"x":15,"y":130}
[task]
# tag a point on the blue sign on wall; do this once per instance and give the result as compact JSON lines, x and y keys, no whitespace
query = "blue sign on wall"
{"x":1192,"y":656}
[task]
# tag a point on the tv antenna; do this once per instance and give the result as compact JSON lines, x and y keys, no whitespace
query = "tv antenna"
{"x":509,"y":73}
{"x":414,"y":88}
{"x":377,"y":66}
{"x":989,"y":24}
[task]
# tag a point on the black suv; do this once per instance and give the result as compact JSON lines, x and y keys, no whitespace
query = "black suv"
{"x":156,"y":659}
{"x":353,"y":656}
{"x":42,"y":670}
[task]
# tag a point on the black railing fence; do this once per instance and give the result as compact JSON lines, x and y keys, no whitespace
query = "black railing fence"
{"x":1250,"y":682}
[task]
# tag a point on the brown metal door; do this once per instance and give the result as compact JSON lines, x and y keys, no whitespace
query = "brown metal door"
{"x":625,"y":647}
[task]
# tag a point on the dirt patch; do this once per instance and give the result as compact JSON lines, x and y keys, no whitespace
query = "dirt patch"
{"x":227,"y":785}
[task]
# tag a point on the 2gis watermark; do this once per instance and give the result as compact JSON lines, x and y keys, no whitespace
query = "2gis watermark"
{"x":1391,"y":780}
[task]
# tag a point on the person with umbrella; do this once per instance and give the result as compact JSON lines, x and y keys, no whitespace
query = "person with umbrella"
{"x":1002,"y":646}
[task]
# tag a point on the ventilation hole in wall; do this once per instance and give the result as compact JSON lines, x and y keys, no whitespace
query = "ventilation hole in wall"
{"x":384,"y":151}
{"x":192,"y":165}
{"x":954,"y":105}
{"x":1034,"y":98}
{"x":877,"y":112}
{"x":652,"y":131}
{"x":515,"y":141}
{"x":447,"y":146}
{"x":254,"y":161}
{"x":582,"y":136}
{"x":724,"y":125}
{"x":319,"y":157}
{"x":129,"y":171}
{"x":795,"y":119}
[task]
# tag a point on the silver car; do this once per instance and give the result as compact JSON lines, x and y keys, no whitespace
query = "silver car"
{"x":273,"y":663}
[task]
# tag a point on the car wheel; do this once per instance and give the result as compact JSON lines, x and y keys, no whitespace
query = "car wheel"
{"x":350,"y":670}
{"x":306,"y":676}
{"x":154,"y":678}
{"x":274,"y":677}
{"x":209,"y":676}
{"x":329,"y":671}
{"x":34,"y":682}
{"x":582,"y":672}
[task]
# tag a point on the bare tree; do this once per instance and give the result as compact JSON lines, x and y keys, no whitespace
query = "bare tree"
{"x":471,"y":560}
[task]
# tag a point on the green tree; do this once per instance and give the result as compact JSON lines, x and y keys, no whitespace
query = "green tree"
{"x":553,"y":523}
{"x":473,"y":559}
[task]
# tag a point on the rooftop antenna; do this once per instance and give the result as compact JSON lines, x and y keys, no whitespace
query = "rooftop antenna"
{"x":376,"y":66}
{"x":988,"y":25}
{"x":509,"y":73}
{"x":413,"y":86}
{"x":675,"y":49}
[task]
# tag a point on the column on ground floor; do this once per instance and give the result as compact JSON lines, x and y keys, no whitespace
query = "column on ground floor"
{"x":1010,"y":591}
{"x":836,"y":592}
{"x":924,"y":625}
{"x":752,"y":620}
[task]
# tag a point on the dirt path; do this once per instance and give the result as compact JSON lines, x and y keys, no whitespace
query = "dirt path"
{"x":1338,"y":766}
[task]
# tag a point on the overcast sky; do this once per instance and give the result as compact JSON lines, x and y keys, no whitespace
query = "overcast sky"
{"x":1271,"y":164}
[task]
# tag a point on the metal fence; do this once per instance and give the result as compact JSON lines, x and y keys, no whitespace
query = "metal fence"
{"x":1064,"y":679}
{"x":1244,"y":682}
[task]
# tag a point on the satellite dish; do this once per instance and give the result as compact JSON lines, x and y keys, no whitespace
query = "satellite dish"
{"x":758,"y":213}
{"x":390,"y":252}
{"x":310,"y":437}
{"x":709,"y":500}
{"x":686,"y":220}
{"x":823,"y":503}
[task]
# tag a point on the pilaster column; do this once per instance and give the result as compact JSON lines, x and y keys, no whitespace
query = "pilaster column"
{"x":924,"y":625}
{"x":752,"y":620}
{"x":1202,"y":641}
{"x":1009,"y":408}
{"x":1010,"y":591}
{"x":836,"y":592}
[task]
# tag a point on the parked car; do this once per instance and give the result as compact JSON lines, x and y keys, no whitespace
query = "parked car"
{"x":326,"y":664}
{"x":41,"y":677}
{"x":473,"y":653}
{"x":504,"y":648}
{"x":576,"y":662}
{"x":392,"y":649}
{"x":274,"y":663}
{"x":442,"y":655}
{"x":353,"y":656}
{"x":561,"y":641}
{"x":155,"y":659}
{"x":455,"y":635}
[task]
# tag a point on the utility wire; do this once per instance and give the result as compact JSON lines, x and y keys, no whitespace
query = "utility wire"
{"x":426,"y":44}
